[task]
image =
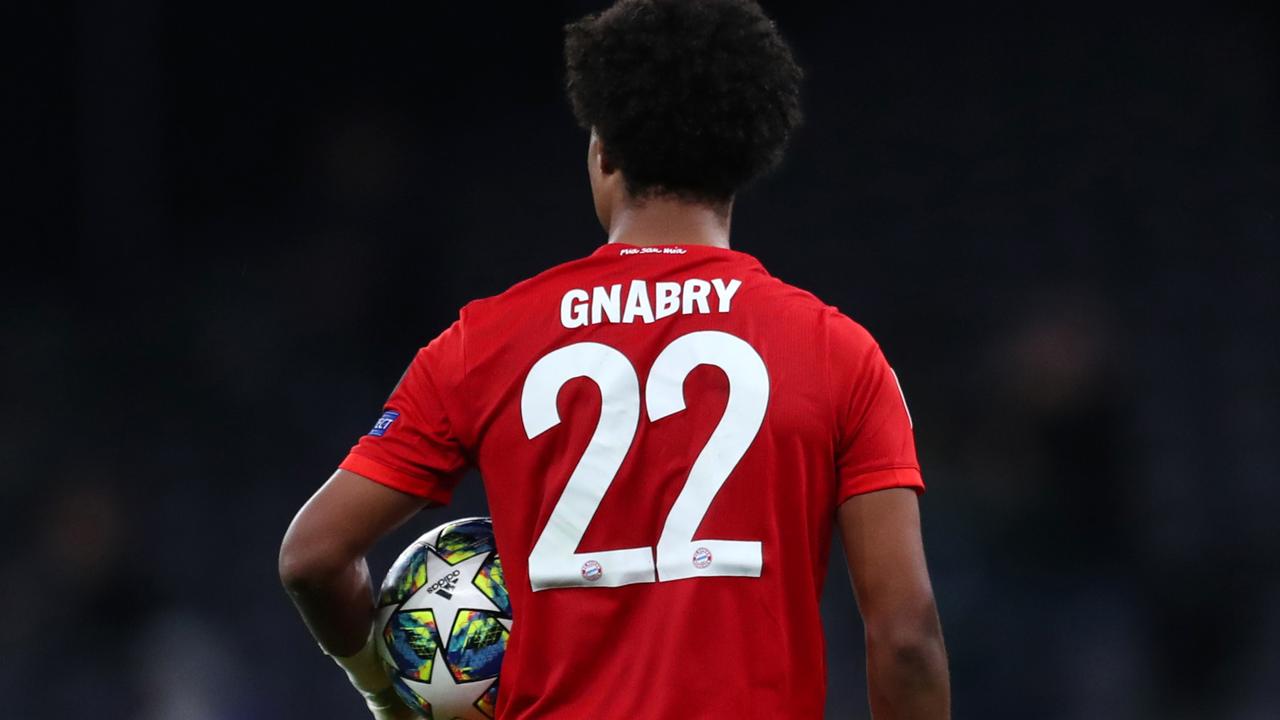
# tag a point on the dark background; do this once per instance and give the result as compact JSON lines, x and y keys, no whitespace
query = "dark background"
{"x":236,"y":222}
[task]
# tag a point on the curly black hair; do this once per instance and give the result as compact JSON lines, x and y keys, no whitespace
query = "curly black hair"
{"x":692,"y":98}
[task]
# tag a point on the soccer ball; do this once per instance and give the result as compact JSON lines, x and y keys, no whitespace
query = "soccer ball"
{"x":443,"y":621}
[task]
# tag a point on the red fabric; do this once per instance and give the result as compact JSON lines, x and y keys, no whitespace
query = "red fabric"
{"x":427,"y":488}
{"x":418,"y":452}
{"x":703,"y":647}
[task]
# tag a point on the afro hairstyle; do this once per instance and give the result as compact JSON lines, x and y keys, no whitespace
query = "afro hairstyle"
{"x":692,"y":98}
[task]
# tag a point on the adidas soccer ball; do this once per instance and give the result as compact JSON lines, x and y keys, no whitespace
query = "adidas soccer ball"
{"x":443,"y":620}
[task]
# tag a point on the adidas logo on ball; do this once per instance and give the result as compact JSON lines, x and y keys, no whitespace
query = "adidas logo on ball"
{"x":445,"y":585}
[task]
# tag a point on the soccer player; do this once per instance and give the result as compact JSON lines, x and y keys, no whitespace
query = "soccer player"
{"x":667,"y":434}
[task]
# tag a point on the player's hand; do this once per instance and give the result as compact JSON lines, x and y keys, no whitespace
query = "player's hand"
{"x":387,"y":705}
{"x":369,"y":677}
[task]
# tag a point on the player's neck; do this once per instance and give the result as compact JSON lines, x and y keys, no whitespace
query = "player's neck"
{"x":662,"y":221}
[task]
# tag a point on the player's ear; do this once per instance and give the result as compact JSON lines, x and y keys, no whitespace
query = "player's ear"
{"x":600,"y":154}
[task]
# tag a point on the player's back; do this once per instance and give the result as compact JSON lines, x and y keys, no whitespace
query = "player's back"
{"x":657,"y":430}
{"x":664,"y":435}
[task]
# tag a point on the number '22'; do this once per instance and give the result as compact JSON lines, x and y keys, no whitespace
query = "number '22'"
{"x":554,"y":561}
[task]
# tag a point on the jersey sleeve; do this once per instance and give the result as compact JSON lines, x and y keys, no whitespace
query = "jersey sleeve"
{"x":875,"y":445}
{"x":413,"y":447}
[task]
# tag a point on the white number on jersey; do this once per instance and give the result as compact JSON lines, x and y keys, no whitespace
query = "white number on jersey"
{"x":554,"y":561}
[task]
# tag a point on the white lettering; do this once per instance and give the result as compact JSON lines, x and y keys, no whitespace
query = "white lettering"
{"x":726,"y":292}
{"x":573,"y":308}
{"x":645,"y":302}
{"x":696,"y":292}
{"x":638,"y":303}
{"x":607,"y":302}
{"x":668,"y":299}
{"x":653,"y":250}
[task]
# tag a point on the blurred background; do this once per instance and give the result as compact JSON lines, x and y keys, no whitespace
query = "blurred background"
{"x":236,"y":222}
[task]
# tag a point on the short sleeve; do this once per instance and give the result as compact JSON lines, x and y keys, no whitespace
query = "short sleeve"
{"x":413,"y":446}
{"x":875,"y":446}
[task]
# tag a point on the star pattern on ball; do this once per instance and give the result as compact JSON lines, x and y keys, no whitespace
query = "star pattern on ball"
{"x":453,"y":700}
{"x":445,"y":593}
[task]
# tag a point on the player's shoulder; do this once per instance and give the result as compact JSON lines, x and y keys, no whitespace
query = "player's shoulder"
{"x":798,"y":305}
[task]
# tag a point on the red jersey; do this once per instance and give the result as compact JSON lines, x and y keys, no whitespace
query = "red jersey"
{"x":664,"y":435}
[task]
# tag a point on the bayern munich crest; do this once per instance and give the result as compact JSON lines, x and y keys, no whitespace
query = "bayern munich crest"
{"x":591,"y":570}
{"x":701,"y":558}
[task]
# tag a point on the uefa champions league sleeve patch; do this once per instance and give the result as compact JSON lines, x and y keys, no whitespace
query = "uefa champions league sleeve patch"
{"x":384,"y":422}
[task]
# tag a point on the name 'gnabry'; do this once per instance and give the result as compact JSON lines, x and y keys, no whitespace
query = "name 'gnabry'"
{"x":644,"y":303}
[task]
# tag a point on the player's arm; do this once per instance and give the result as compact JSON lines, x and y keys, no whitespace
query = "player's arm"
{"x":410,"y":458}
{"x":323,"y":568}
{"x":322,"y":558}
{"x":906,"y":660}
